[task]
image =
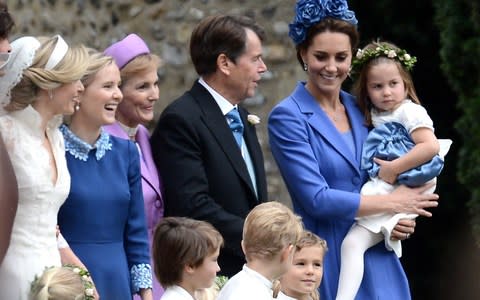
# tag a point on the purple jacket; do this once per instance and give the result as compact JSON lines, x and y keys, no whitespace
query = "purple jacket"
{"x":151,"y":185}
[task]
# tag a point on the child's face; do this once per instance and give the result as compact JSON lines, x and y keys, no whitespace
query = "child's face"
{"x":204,"y":275}
{"x":305,"y":274}
{"x":385,"y":86}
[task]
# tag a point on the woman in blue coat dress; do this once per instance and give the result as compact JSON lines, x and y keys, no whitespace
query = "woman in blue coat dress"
{"x":103,"y":218}
{"x":316,"y":136}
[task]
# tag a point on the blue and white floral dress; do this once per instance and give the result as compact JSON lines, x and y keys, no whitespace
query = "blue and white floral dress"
{"x":103,"y":218}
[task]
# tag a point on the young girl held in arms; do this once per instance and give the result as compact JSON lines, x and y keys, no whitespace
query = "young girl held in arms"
{"x":402,"y":149}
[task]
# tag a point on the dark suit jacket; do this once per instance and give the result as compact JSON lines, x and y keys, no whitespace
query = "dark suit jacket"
{"x":205,"y":176}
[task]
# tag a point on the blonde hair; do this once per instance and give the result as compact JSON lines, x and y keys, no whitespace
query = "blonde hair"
{"x":140,"y":64}
{"x":58,"y":283}
{"x":97,"y":61}
{"x":360,"y":86}
{"x":308,"y":239}
{"x":268,"y":229}
{"x":70,"y":69}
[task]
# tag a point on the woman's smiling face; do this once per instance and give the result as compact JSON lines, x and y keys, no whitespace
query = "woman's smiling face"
{"x":102,"y":96}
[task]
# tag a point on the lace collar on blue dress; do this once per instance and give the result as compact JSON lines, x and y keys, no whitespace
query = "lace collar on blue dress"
{"x":80,"y":149}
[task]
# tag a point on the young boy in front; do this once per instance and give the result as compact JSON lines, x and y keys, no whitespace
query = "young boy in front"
{"x":270,"y":233}
{"x":185,"y":253}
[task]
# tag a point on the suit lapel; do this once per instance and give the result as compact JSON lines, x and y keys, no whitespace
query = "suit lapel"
{"x":255,"y":151}
{"x":149,"y":174}
{"x":216,"y":123}
{"x":322,"y":124}
{"x":151,"y":178}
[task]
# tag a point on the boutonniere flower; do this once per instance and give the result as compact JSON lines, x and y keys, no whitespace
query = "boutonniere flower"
{"x":253,"y":119}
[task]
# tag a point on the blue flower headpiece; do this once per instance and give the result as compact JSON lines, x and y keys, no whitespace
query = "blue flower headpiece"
{"x":310,"y":12}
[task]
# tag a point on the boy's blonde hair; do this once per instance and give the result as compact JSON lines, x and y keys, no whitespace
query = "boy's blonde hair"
{"x":268,"y":229}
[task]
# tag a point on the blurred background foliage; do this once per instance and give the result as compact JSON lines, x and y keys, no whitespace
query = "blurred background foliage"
{"x":442,"y":259}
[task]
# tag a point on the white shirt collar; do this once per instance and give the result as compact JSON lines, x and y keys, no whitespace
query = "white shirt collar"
{"x":180,"y":291}
{"x":224,"y":104}
{"x":268,"y":283}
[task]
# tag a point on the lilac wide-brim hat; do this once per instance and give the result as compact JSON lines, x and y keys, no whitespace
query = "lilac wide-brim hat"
{"x":127,"y":49}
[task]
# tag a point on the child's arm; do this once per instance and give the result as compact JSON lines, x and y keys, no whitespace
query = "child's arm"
{"x":426,"y":147}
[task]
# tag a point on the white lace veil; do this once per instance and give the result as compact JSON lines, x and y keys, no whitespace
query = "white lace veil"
{"x":21,"y":57}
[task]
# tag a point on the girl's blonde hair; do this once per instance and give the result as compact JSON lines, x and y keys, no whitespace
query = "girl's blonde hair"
{"x":360,"y":86}
{"x":308,"y":239}
{"x":70,"y":69}
{"x":58,"y":283}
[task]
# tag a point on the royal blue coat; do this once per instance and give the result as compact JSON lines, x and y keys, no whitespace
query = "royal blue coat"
{"x":324,"y":179}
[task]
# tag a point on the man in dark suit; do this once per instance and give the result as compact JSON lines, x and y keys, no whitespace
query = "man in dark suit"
{"x":209,"y":175}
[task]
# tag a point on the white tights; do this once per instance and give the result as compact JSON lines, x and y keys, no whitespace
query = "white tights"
{"x":356,"y":242}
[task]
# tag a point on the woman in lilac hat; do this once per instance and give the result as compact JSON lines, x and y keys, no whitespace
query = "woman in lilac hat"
{"x":138,"y":70}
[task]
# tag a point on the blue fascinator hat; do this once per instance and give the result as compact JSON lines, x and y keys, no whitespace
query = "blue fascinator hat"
{"x":310,"y":12}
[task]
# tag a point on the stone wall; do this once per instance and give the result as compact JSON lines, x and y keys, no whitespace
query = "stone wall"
{"x":166,"y":26}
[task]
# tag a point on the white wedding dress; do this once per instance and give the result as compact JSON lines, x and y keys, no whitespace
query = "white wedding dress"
{"x":33,"y":243}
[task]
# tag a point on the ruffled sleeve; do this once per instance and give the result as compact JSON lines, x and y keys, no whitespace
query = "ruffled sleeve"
{"x":414,"y":116}
{"x":141,"y":275}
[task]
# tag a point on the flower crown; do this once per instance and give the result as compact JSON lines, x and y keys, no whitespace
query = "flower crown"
{"x":382,"y":49}
{"x":310,"y":12}
{"x":86,"y":280}
{"x":84,"y":276}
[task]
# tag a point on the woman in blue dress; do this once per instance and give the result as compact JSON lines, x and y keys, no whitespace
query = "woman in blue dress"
{"x":103,"y":218}
{"x":316,"y":136}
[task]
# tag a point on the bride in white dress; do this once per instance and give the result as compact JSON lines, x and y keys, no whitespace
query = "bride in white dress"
{"x":41,"y":83}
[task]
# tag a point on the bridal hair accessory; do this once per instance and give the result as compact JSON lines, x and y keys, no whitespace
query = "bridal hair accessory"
{"x":21,"y":57}
{"x":127,"y":49}
{"x":363,"y":56}
{"x":310,"y":12}
{"x":58,"y":53}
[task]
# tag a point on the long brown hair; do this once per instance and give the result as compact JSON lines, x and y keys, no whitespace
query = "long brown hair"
{"x":328,"y":25}
{"x":360,"y":86}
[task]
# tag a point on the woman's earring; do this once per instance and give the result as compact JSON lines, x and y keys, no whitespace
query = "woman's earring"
{"x":305,"y":67}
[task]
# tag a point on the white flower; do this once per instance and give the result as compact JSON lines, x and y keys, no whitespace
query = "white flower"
{"x":407,"y":57}
{"x":253,"y":119}
{"x":391,"y":54}
{"x":359,"y":54}
{"x":89,"y":292}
